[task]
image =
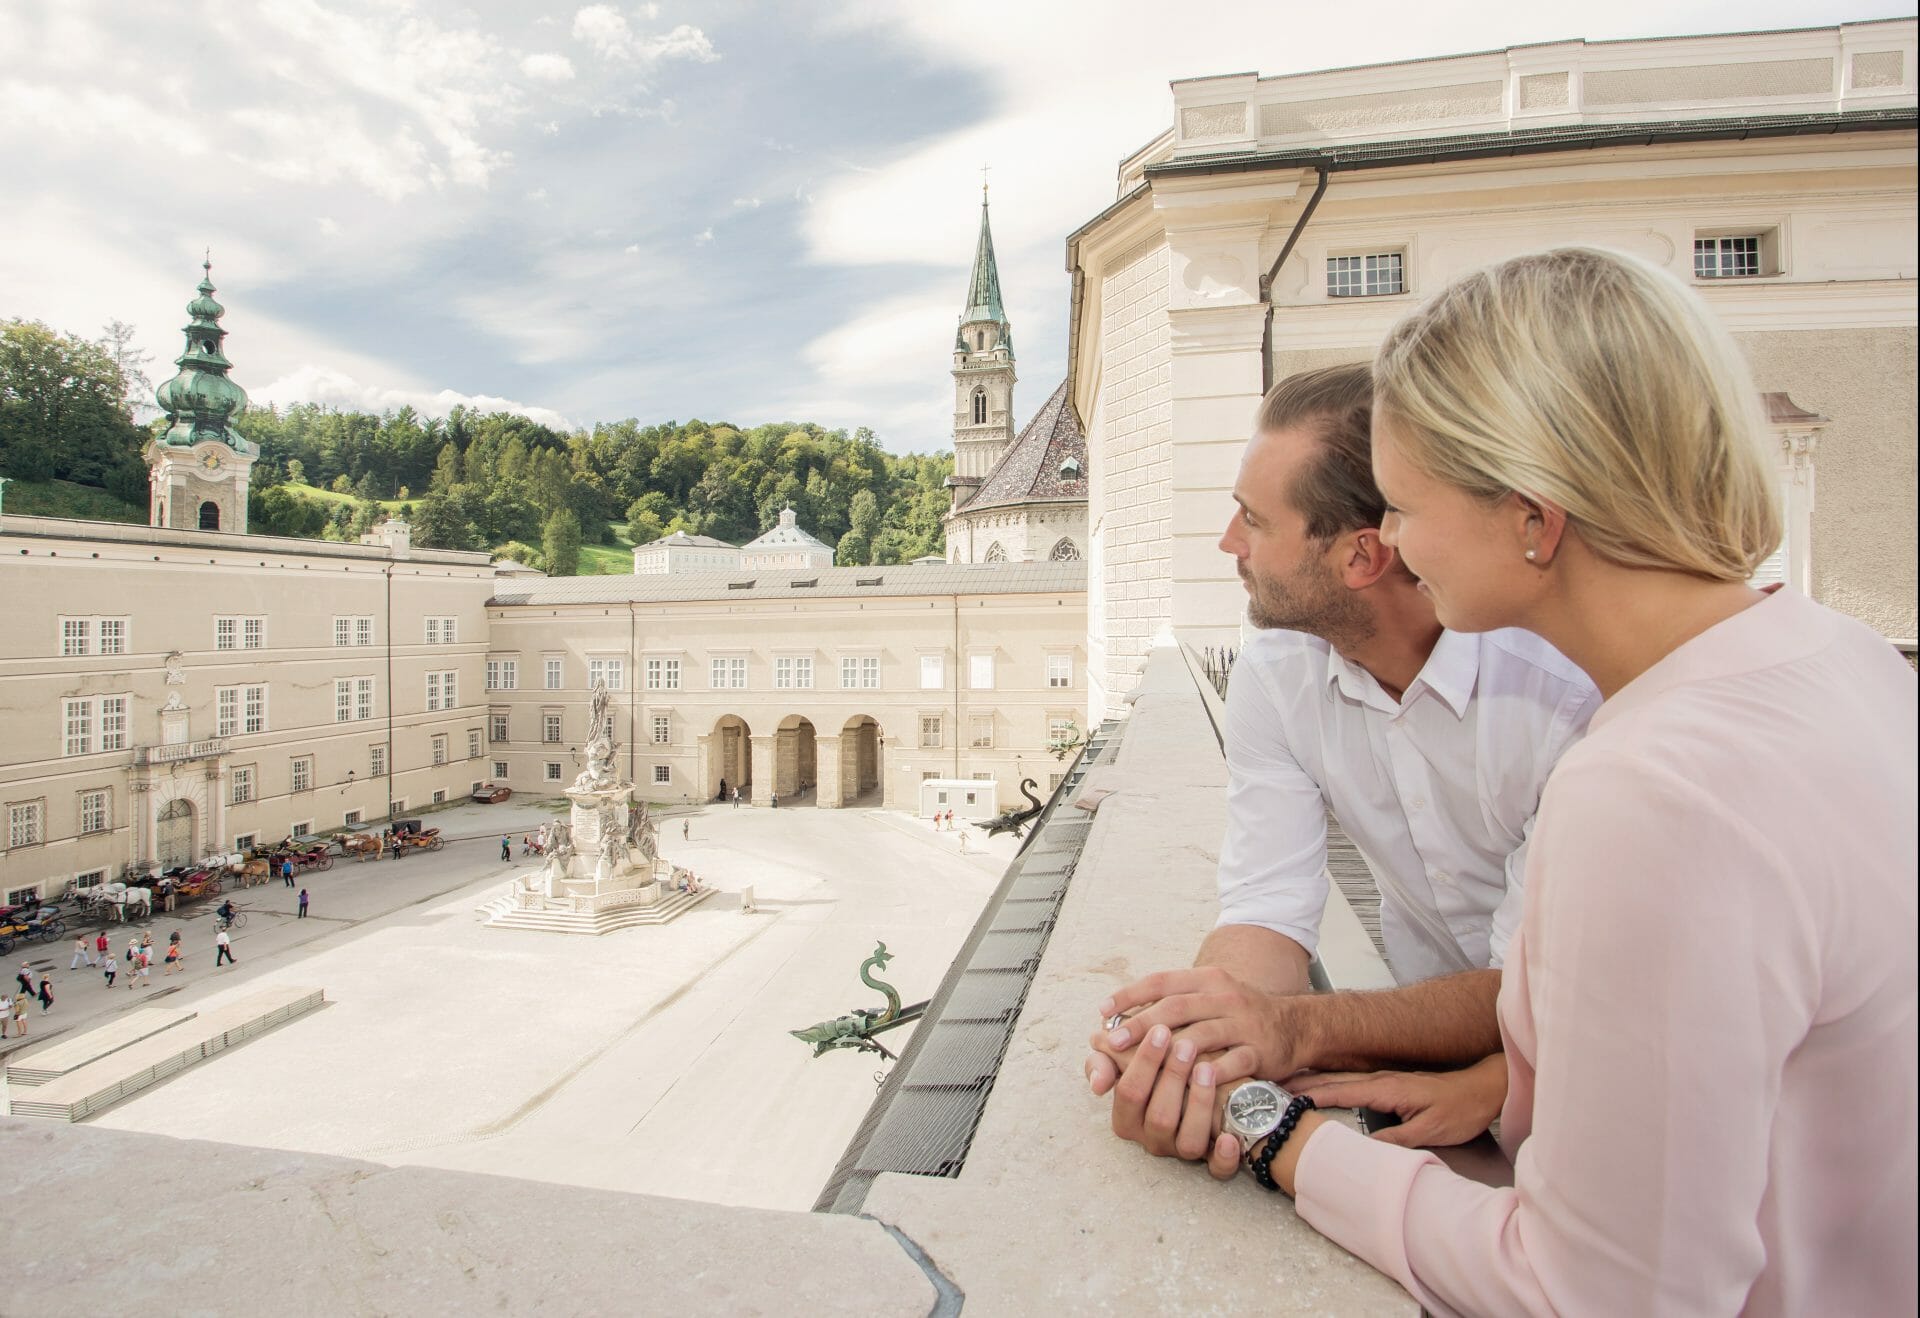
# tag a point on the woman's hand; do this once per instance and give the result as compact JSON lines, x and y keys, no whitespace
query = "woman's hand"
{"x":1436,"y":1108}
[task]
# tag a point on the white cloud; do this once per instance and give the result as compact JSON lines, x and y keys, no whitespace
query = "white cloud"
{"x":538,"y":194}
{"x":704,"y":237}
{"x":330,"y":387}
{"x":632,"y":249}
{"x":551,"y":127}
{"x":328,"y":225}
{"x":605,"y":29}
{"x":746,"y":203}
{"x":547,"y":68}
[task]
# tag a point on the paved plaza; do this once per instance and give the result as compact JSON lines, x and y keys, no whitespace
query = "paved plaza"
{"x":652,"y":1059}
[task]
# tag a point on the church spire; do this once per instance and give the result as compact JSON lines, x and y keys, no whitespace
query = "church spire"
{"x":198,"y":464}
{"x":983,"y":289}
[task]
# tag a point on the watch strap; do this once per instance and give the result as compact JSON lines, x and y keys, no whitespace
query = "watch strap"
{"x":1262,"y":1163}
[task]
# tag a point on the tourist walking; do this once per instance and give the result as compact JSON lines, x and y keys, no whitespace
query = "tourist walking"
{"x":686,"y":830}
{"x":303,"y":904}
{"x":110,"y":969}
{"x":6,"y":1014}
{"x":81,"y":951}
{"x":20,"y":1001}
{"x":773,"y":800}
{"x":286,"y":871}
{"x":736,"y":798}
{"x":223,"y":949}
{"x":101,"y":944}
{"x":133,"y":953}
{"x":506,"y":847}
{"x":174,"y":955}
{"x":146,"y":950}
{"x":46,"y":990}
{"x":26,"y":978}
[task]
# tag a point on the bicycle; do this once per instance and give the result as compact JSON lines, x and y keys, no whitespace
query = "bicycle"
{"x":239,"y":921}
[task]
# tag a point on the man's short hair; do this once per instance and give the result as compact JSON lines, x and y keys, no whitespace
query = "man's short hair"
{"x":1334,"y":491}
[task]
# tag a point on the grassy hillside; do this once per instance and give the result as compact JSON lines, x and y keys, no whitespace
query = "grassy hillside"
{"x":328,"y":497}
{"x":65,"y":499}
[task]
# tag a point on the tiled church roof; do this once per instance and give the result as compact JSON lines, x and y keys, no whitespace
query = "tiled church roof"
{"x":1030,"y":470}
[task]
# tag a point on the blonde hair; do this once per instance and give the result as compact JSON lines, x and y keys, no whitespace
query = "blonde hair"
{"x":1596,"y":382}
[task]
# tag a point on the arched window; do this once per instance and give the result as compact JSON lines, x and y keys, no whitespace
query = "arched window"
{"x":995,"y":554}
{"x":1065,"y":551}
{"x":979,"y":407}
{"x":209,"y":516}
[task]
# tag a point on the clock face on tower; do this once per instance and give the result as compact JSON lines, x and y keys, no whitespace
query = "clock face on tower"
{"x":211,"y":461}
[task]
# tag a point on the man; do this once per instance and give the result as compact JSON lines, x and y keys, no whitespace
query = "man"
{"x":286,"y":871}
{"x":1430,"y":747}
{"x":223,"y":949}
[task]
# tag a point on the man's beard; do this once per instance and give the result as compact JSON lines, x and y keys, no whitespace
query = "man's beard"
{"x":1310,"y":600}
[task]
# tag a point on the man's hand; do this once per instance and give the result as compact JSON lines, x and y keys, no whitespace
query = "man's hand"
{"x":1251,"y":1032}
{"x":1163,"y":1100}
{"x":1435,"y":1108}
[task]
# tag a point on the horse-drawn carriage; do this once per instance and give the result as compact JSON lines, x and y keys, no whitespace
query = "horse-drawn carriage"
{"x":410,"y":835}
{"x":24,"y":923}
{"x":117,"y":901}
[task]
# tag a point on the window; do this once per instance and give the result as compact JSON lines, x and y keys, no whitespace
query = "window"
{"x":113,"y":636}
{"x":243,"y":842}
{"x":96,"y":814}
{"x":793,"y":671}
{"x":23,"y":896}
{"x":301,"y":828}
{"x":353,"y":630}
{"x":91,"y":879}
{"x":553,"y":771}
{"x":1061,"y":729}
{"x":611,"y":671}
{"x":239,"y":709}
{"x":979,"y":407}
{"x":553,"y":673}
{"x":377,"y":760}
{"x":662,"y":774}
{"x":242,"y":784}
{"x":253,"y":633}
{"x":980,"y":735}
{"x":439,"y":744}
{"x":980,"y":672}
{"x":352,"y":699}
{"x":1064,"y":551}
{"x":226,"y":633}
{"x":497,"y":725}
{"x":933,"y":672}
{"x":442,"y":691}
{"x":351,"y":818}
{"x":983,"y":776}
{"x":440,"y":631}
{"x":550,"y":728}
{"x":929,"y":732}
{"x":499,"y":770}
{"x":662,"y":729}
{"x":78,"y":718}
{"x":730,"y":674}
{"x":1733,"y":257}
{"x":76,"y":636}
{"x":1366,"y":276}
{"x":473,"y":743}
{"x":1059,"y":670}
{"x":1054,"y":780}
{"x":503,"y":674}
{"x":303,"y":774}
{"x":995,"y":553}
{"x":860,"y":672}
{"x":440,"y":796}
{"x":663,"y":674}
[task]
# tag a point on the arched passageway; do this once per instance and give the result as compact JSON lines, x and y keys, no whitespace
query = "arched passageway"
{"x":796,"y":759}
{"x":727,"y":758}
{"x":861,"y":764}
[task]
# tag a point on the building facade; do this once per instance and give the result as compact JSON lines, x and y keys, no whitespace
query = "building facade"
{"x":837,"y":686}
{"x":786,"y":545}
{"x":1285,"y":223}
{"x":680,"y":552}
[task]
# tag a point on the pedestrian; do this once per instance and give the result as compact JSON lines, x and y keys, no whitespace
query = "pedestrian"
{"x":286,"y":871}
{"x":174,"y":955}
{"x":6,"y":1014}
{"x":46,"y":990}
{"x":380,"y":846}
{"x":736,"y":798}
{"x":963,"y":843}
{"x":723,"y":790}
{"x":303,"y":903}
{"x":110,"y":969}
{"x":101,"y":944}
{"x":506,"y":847}
{"x":145,"y":978}
{"x":81,"y":951}
{"x":133,"y":954}
{"x":686,"y":830}
{"x":773,"y":800}
{"x":20,"y":1001}
{"x":26,"y":978}
{"x":146,"y":947}
{"x":223,"y":949}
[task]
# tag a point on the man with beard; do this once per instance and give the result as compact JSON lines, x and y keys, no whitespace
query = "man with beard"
{"x":1430,"y":747}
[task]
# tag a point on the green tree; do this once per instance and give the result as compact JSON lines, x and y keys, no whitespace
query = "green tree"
{"x":63,"y":412}
{"x":296,"y":471}
{"x":560,"y":544}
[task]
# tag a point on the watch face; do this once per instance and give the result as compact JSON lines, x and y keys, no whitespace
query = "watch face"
{"x":1254,"y":1107}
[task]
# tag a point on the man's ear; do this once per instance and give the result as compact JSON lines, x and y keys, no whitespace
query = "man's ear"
{"x":1363,"y":558}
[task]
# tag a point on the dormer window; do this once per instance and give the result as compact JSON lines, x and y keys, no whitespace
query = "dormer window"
{"x":1070,"y":469}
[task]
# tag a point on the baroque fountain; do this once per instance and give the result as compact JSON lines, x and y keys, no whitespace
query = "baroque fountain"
{"x":602,"y":869}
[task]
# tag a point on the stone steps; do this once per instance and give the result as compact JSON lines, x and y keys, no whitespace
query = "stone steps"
{"x":125,"y":1071}
{"x":501,"y":913}
{"x":44,"y":1065}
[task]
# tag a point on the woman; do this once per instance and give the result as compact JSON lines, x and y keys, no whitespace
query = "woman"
{"x":1709,"y":1008}
{"x":174,"y":953}
{"x":46,"y":990}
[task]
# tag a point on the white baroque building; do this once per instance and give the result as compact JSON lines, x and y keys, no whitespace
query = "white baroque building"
{"x":1284,"y":223}
{"x":786,"y":544}
{"x":681,"y":552}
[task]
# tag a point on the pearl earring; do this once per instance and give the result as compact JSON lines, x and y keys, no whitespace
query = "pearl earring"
{"x":1530,"y":555}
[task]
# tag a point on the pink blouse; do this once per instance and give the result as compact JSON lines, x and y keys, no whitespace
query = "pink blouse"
{"x":1709,"y":1011}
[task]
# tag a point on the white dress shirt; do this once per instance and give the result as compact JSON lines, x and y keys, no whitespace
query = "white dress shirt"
{"x":1437,"y":790}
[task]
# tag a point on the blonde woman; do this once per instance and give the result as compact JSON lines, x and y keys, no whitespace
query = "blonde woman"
{"x":1709,"y":1010}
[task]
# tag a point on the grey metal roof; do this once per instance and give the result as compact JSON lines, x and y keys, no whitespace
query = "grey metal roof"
{"x":1029,"y":471}
{"x":681,"y":538}
{"x":800,"y":584}
{"x":788,"y":534}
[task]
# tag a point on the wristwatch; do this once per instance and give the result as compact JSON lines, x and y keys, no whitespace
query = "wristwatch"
{"x":1259,"y":1111}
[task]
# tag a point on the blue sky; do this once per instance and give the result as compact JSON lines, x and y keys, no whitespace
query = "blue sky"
{"x":754,"y":212}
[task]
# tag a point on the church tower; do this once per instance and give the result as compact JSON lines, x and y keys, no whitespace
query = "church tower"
{"x":982,"y":373}
{"x":198,"y":466}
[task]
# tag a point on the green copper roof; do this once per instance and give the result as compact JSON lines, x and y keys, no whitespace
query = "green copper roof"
{"x":983,"y":291}
{"x":200,"y":401}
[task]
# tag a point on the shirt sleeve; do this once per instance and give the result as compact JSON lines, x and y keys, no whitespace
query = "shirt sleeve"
{"x":1669,"y":969}
{"x":1273,"y":862}
{"x":1569,"y":726}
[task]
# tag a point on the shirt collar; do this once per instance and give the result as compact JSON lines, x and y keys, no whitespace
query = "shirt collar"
{"x":1450,"y":673}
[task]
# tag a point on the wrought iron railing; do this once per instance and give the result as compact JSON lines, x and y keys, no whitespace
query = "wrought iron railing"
{"x":1217,"y":663}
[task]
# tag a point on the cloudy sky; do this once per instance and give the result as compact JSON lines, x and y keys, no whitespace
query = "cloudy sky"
{"x":749,"y":211}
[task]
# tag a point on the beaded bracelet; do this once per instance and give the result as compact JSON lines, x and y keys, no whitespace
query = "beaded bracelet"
{"x":1262,"y":1163}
